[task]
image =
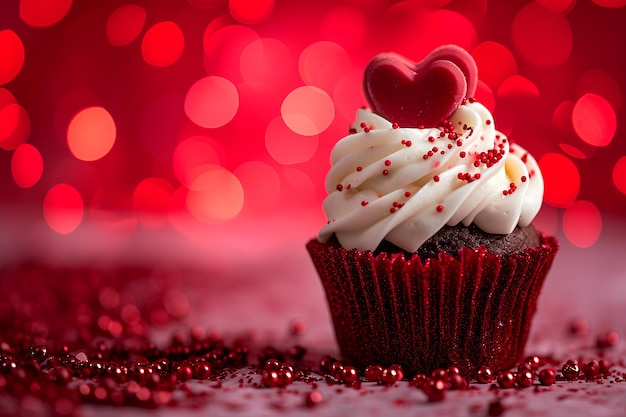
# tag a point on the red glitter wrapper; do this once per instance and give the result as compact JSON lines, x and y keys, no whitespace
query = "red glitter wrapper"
{"x":472,"y":311}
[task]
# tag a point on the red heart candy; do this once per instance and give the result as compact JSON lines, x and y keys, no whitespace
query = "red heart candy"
{"x":420,"y":94}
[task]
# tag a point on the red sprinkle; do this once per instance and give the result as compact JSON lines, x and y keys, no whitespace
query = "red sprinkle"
{"x":439,"y":208}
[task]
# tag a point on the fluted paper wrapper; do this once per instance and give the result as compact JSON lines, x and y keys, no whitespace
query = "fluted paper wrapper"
{"x":468,"y":312}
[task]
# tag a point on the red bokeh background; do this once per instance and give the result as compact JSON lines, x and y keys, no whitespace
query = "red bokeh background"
{"x":192,"y":115}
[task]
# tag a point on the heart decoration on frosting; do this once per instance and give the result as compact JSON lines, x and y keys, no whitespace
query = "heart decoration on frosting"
{"x":420,"y":94}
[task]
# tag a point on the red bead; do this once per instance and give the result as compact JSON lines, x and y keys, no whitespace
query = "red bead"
{"x":184,"y":372}
{"x":285,"y":377}
{"x":579,"y":326}
{"x":570,"y":370}
{"x":434,"y":390}
{"x":457,"y":382}
{"x":534,"y":362}
{"x":373,"y":373}
{"x":335,"y":370}
{"x":439,"y":374}
{"x":418,"y":380}
{"x":495,"y":408}
{"x":547,"y":376}
{"x":591,"y":369}
{"x":270,"y":379}
{"x":605,"y":367}
{"x":399,"y":371}
{"x":524,"y":379}
{"x":451,"y":370}
{"x":272,"y":365}
{"x":389,"y":376}
{"x":484,"y":375}
{"x":349,"y":375}
{"x":201,"y":370}
{"x":326,"y":362}
{"x":608,"y":339}
{"x":312,"y":399}
{"x":505,"y":379}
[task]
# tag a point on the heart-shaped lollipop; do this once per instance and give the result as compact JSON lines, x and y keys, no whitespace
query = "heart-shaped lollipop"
{"x":420,"y":94}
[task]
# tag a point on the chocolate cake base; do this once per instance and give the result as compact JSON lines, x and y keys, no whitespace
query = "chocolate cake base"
{"x":467,"y":307}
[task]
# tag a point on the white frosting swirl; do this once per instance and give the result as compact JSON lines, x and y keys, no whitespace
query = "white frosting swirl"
{"x":405,"y":184}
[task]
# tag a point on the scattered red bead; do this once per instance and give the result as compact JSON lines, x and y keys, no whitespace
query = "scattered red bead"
{"x":312,"y":399}
{"x":571,"y":370}
{"x":434,"y":390}
{"x":484,"y":375}
{"x":505,"y":379}
{"x":373,"y":373}
{"x":547,"y":376}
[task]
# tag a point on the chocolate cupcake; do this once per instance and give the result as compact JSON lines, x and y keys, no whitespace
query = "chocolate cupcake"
{"x":429,"y":258}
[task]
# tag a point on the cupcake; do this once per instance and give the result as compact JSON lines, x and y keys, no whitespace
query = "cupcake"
{"x":429,"y":257}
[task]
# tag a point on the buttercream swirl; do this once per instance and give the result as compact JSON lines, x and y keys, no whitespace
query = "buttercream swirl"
{"x":405,"y":184}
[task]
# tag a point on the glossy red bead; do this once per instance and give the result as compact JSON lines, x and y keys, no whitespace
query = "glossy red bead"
{"x":349,"y":375}
{"x":201,"y":370}
{"x":373,"y":373}
{"x":389,"y":376}
{"x":434,"y":390}
{"x":547,"y":376}
{"x":484,"y":375}
{"x":505,"y":379}
{"x":524,"y":379}
{"x":571,"y":370}
{"x":457,"y":382}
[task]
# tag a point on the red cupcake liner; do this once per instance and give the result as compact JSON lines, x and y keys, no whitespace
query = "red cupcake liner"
{"x":472,"y":311}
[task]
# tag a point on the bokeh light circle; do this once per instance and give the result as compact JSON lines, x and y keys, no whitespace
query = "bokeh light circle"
{"x":557,"y":6}
{"x":212,"y":102}
{"x":495,"y":63}
{"x":42,"y":13}
{"x":216,"y":195}
{"x":612,"y":4}
{"x":125,"y":24}
{"x":63,"y":208}
{"x":14,"y":126}
{"x":223,"y":46}
{"x":192,"y":155}
{"x":91,"y":134}
{"x":601,"y":83}
{"x":541,"y":36}
{"x":582,"y":223}
{"x":26,"y":165}
{"x":266,"y":61}
{"x":323,"y":64}
{"x":286,"y":146}
{"x":308,"y":110}
{"x":162,"y":44}
{"x":619,"y":174}
{"x":261,"y":185}
{"x":561,"y":179}
{"x":151,"y":200}
{"x":251,"y":12}
{"x":12,"y":53}
{"x":518,"y":86}
{"x":594,"y":120}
